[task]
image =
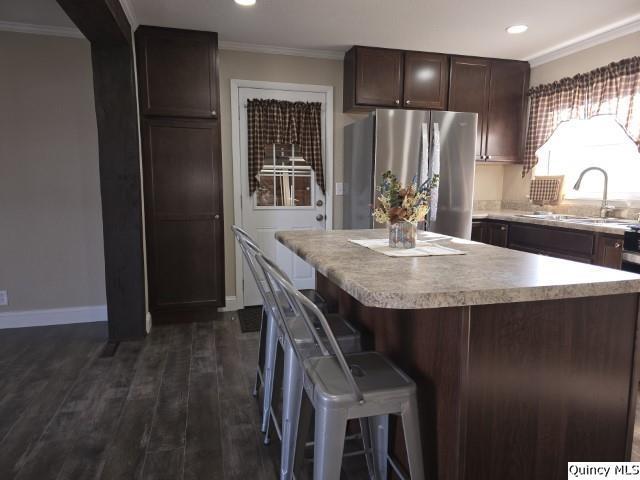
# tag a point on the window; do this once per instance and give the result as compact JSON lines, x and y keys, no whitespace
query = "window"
{"x":597,"y":142}
{"x":285,"y":179}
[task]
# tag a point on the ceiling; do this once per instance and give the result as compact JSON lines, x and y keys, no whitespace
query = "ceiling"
{"x":456,"y":26}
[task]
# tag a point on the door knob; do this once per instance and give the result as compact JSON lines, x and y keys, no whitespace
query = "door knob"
{"x":319,"y":203}
{"x":319,"y":217}
{"x":397,"y":102}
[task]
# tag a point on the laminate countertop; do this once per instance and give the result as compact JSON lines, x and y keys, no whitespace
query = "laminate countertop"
{"x":522,"y":217}
{"x":484,"y":275}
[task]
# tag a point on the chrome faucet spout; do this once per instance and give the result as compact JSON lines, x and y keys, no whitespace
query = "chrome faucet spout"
{"x":604,"y":208}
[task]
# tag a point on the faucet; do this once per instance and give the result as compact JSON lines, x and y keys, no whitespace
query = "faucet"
{"x":604,"y":208}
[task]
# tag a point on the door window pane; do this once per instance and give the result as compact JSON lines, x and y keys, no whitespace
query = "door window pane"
{"x":285,"y":180}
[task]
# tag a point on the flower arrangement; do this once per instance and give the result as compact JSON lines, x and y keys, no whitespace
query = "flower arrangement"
{"x":398,"y":203}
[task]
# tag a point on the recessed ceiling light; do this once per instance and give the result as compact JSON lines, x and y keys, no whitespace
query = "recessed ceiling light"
{"x":245,"y":3}
{"x":517,"y":29}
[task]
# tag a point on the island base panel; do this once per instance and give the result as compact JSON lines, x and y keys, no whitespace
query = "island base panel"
{"x":511,"y":390}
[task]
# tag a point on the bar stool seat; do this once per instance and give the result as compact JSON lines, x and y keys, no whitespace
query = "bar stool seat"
{"x":379,"y":380}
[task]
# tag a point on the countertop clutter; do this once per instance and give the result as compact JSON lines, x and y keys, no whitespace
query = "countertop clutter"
{"x":485,"y":275}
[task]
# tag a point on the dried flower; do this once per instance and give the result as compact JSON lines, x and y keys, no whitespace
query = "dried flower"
{"x":397,"y":203}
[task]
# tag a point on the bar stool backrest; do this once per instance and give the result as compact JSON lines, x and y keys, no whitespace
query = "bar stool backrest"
{"x":249,"y":250}
{"x":310,"y":314}
{"x":287,"y":313}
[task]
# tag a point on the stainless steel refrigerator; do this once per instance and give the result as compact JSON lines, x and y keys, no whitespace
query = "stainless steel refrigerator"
{"x":410,"y":143}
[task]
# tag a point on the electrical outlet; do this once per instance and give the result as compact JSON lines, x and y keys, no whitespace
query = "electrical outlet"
{"x":339,"y":188}
{"x":4,"y":298}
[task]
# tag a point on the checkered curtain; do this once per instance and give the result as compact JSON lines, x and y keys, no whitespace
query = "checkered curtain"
{"x":610,"y":90}
{"x":279,"y":121}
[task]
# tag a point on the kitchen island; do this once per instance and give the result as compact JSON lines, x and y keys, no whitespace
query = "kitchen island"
{"x":522,"y":362}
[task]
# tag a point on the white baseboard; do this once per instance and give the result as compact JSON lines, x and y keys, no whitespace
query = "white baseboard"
{"x":231,"y":304}
{"x":53,"y":316}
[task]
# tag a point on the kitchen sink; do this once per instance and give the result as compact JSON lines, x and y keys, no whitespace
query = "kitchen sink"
{"x":602,"y":221}
{"x":551,"y":216}
{"x":579,"y":220}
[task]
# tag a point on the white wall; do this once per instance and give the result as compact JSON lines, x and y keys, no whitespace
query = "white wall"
{"x":51,"y":251}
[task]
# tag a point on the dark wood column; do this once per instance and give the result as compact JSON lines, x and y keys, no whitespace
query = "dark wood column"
{"x":105,"y":25}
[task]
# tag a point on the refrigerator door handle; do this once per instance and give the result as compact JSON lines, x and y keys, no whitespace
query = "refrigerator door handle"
{"x":434,"y":171}
{"x":424,"y":160}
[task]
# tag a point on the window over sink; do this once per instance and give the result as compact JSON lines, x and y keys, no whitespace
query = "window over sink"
{"x":597,"y":142}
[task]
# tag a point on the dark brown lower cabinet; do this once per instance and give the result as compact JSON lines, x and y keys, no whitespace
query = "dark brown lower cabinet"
{"x":609,"y":251}
{"x":184,"y":228}
{"x":493,"y":233}
{"x":577,"y":245}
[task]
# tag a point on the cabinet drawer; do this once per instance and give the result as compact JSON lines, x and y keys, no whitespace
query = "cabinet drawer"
{"x":569,"y":243}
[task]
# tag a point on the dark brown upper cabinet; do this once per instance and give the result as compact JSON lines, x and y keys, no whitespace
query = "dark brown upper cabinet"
{"x":178,"y":72}
{"x":426,"y":80}
{"x":469,"y":92}
{"x":381,"y":77}
{"x":507,"y":105}
{"x":373,"y":78}
{"x":496,"y":90}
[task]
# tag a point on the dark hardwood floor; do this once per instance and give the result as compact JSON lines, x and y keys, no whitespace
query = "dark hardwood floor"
{"x":175,"y":406}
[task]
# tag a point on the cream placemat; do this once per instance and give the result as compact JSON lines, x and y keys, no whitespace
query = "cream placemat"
{"x":425,"y":247}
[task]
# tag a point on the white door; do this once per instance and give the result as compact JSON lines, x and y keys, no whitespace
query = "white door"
{"x":287,"y":198}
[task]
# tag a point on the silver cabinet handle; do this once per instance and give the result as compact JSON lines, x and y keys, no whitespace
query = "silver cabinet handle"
{"x":397,"y":102}
{"x":216,"y":216}
{"x":408,"y":102}
{"x":617,"y":245}
{"x":214,"y":113}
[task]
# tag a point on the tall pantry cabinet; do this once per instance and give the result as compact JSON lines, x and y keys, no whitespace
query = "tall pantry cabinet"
{"x":182,"y":174}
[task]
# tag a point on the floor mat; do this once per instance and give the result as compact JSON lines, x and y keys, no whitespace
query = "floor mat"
{"x":250,"y":318}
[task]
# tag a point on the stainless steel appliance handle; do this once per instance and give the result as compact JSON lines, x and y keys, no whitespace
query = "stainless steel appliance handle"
{"x":424,"y":161}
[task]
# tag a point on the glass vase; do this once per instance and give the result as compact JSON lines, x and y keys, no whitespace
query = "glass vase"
{"x":402,"y":235}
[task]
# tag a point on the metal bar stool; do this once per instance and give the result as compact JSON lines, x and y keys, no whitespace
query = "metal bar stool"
{"x":364,"y":386}
{"x":348,"y":337}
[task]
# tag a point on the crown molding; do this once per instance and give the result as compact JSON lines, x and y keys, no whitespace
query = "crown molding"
{"x":596,"y":37}
{"x":17,"y":27}
{"x":273,"y":50}
{"x":129,"y":11}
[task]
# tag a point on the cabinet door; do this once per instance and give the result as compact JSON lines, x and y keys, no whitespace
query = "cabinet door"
{"x":479,"y":232}
{"x":609,"y":251}
{"x":183,"y":213}
{"x":177,"y":72}
{"x":505,"y":118}
{"x":426,"y":80}
{"x":469,"y":92}
{"x":498,"y":234}
{"x":378,"y":77}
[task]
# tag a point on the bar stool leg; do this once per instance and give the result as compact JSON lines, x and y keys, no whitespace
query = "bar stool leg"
{"x":368,"y":446}
{"x":291,"y":403}
{"x":330,"y":427}
{"x":271,"y":347}
{"x":411,"y":427}
{"x":379,"y":426}
{"x":263,"y":333}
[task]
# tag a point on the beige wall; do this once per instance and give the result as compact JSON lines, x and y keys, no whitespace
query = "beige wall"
{"x":515,"y":187}
{"x":274,"y":68}
{"x":588,"y":59}
{"x":488,"y":182}
{"x":51,"y":253}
